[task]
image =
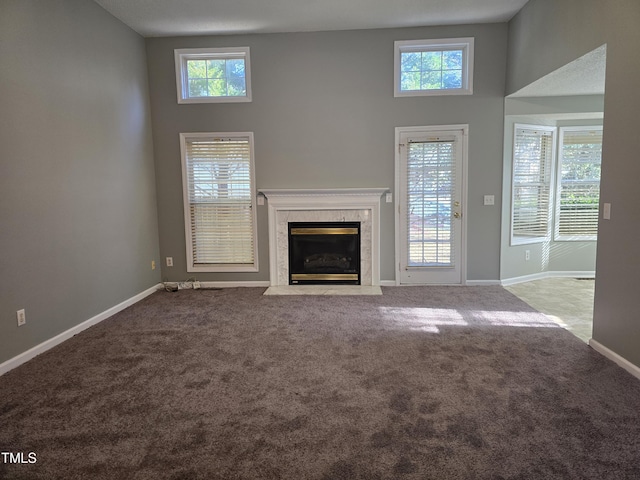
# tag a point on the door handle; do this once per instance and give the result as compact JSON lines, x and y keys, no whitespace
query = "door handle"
{"x":457,"y":215}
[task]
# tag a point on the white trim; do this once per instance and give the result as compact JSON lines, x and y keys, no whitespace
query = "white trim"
{"x":323,"y":199}
{"x":272,"y":193}
{"x":465,"y":44}
{"x":182,"y":55}
{"x":58,"y":339}
{"x":542,"y":275}
{"x":465,"y":176}
{"x":482,"y":283}
{"x":388,"y":283}
{"x":615,"y":358}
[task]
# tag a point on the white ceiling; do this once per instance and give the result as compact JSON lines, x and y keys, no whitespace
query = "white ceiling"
{"x":161,"y":18}
{"x":583,"y":76}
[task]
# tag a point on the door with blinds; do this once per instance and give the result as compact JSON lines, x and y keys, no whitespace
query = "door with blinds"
{"x":430,"y":181}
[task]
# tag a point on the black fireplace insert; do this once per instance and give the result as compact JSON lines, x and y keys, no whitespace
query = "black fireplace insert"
{"x":324,"y":253}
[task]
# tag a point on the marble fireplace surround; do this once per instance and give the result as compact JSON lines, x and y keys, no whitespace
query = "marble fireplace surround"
{"x":324,"y":205}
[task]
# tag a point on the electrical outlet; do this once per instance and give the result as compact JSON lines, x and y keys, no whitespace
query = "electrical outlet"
{"x":22,"y":318}
{"x":153,"y":264}
{"x":527,"y":255}
{"x":169,"y":261}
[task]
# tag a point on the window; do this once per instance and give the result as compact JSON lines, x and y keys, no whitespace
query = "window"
{"x":218,"y":185}
{"x":533,"y":159}
{"x":433,"y":67}
{"x":207,"y":75}
{"x":580,"y":154}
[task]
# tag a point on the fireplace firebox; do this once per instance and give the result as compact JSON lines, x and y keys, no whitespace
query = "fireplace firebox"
{"x":324,"y":253}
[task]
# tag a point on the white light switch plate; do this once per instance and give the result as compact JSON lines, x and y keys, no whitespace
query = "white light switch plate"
{"x":489,"y":200}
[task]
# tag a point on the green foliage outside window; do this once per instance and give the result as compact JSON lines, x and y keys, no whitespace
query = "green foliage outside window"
{"x":216,"y":78}
{"x":431,"y":70}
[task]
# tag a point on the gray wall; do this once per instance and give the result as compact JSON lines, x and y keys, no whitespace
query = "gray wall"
{"x":323,"y":115}
{"x":78,"y":221}
{"x":546,"y":35}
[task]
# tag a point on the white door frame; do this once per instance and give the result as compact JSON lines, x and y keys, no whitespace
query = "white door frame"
{"x":465,"y":157}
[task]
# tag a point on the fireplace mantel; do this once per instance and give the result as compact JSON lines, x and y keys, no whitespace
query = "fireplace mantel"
{"x":334,"y":204}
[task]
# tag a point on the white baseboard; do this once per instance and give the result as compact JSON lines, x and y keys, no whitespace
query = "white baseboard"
{"x":613,"y":356}
{"x":468,"y":283}
{"x":58,"y":339}
{"x":481,"y":283}
{"x":542,"y":275}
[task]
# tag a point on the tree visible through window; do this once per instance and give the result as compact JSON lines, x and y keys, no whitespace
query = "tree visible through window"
{"x":434,"y":67}
{"x":216,"y":78}
{"x":207,"y":75}
{"x":431,"y":70}
{"x":578,"y":183}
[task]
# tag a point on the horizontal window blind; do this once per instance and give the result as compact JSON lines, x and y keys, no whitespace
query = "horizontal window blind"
{"x":430,"y":190}
{"x":220,"y":200}
{"x":532,"y":169}
{"x":579,"y":184}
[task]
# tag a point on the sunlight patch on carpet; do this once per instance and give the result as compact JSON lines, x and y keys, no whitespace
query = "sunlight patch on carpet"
{"x":422,"y":319}
{"x":512,"y":319}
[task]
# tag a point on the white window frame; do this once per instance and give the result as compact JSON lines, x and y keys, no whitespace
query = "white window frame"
{"x":221,"y":267}
{"x":560,"y":158}
{"x":465,"y":44}
{"x":551,"y":162}
{"x":186,"y":54}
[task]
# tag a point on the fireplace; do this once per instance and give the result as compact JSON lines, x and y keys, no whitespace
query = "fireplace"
{"x":324,"y":205}
{"x":324,"y":253}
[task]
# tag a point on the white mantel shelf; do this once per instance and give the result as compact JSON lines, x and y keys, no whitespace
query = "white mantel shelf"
{"x":322,"y":192}
{"x":324,"y":204}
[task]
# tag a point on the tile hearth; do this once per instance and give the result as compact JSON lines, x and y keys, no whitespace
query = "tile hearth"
{"x":324,"y":290}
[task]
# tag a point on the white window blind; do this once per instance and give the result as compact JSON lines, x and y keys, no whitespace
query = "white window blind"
{"x":532,"y":170}
{"x":578,"y":183}
{"x":219,"y":210}
{"x":431,"y":182}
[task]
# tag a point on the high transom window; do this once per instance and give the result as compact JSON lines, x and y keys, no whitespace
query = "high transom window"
{"x":434,"y":67}
{"x":213,"y":75}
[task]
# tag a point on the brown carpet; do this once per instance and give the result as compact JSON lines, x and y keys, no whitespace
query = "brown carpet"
{"x":419,"y":383}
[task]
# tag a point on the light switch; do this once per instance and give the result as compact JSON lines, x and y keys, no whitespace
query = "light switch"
{"x":389,"y":197}
{"x":260,"y":199}
{"x":606,"y":211}
{"x":489,"y":199}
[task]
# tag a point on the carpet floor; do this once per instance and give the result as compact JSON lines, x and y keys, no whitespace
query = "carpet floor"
{"x":419,"y":383}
